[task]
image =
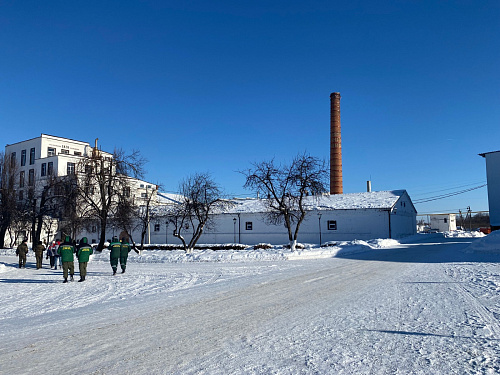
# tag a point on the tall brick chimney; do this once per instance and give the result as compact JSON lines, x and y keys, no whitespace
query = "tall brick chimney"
{"x":335,"y":145}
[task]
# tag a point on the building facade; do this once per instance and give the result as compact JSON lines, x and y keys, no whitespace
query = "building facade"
{"x":443,"y":222}
{"x":493,"y":180}
{"x":40,"y":160}
{"x":339,"y":217}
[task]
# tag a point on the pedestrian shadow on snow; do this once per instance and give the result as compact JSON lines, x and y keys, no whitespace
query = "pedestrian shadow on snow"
{"x":28,"y":281}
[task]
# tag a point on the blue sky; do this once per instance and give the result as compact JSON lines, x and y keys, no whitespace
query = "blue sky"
{"x":216,"y":85}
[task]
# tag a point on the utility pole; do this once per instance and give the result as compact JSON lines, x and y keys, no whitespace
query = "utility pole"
{"x":469,"y":213}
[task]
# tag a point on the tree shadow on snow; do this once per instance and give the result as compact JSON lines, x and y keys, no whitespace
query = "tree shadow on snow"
{"x":439,"y":250}
{"x":410,"y":333}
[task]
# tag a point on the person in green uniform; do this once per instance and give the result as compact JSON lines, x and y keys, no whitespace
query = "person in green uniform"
{"x":21,"y":251}
{"x":66,"y":250}
{"x":83,"y":253}
{"x":114,"y":256}
{"x":39,"y":249}
{"x":124,"y":250}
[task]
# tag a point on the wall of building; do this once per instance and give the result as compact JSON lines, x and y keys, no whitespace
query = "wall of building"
{"x":345,"y":225}
{"x":443,"y":223}
{"x":493,"y":177}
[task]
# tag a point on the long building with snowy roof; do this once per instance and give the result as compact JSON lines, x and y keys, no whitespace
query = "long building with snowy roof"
{"x":339,"y":217}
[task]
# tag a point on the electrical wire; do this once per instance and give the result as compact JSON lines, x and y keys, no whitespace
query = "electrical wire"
{"x":443,"y":196}
{"x":447,"y":189}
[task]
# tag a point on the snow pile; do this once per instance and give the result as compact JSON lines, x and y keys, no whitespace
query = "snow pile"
{"x":463,"y":234}
{"x":4,"y":268}
{"x":489,"y":244}
{"x":255,"y":253}
{"x":342,"y":248}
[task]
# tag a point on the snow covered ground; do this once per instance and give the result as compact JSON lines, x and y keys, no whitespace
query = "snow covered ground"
{"x":428,"y":305}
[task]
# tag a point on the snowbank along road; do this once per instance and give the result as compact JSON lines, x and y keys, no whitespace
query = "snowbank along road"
{"x":424,"y":308}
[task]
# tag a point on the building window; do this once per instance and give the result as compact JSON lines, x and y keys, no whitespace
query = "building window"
{"x":50,"y":168}
{"x":126,"y":192}
{"x":43,"y":172}
{"x":144,"y":195}
{"x":21,"y":195}
{"x":332,"y":225}
{"x":13,"y":159}
{"x":51,"y":151}
{"x":142,"y":185}
{"x":70,"y":169}
{"x":32,"y":156}
{"x":64,"y":152}
{"x":445,"y":220}
{"x":31,"y":177}
{"x":157,"y":227}
{"x":21,"y":179}
{"x":23,"y":158}
{"x":78,"y":153}
{"x":249,"y":225}
{"x":94,"y":229}
{"x":88,"y":190}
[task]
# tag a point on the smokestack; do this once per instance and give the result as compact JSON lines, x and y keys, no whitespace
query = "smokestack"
{"x":335,"y":145}
{"x":368,"y":186}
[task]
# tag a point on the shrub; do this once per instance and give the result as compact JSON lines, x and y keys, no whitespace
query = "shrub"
{"x":264,"y":246}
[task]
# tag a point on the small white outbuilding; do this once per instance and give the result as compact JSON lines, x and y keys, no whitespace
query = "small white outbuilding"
{"x":443,"y":222}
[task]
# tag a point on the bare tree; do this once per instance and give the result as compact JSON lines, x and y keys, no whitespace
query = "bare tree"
{"x":145,"y":214}
{"x":200,"y":195}
{"x":8,"y":196}
{"x":136,"y":214}
{"x":286,"y":187}
{"x":102,"y":178}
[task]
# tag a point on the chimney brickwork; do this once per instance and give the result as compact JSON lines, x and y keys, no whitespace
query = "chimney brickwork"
{"x":336,"y":185}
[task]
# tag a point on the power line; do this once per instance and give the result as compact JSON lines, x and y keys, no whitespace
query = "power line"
{"x":447,"y":189}
{"x":443,"y":196}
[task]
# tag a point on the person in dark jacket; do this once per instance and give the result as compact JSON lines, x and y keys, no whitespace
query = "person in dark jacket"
{"x":66,"y":251}
{"x":57,"y":259}
{"x":39,"y":249}
{"x":124,"y":250}
{"x":21,"y":251}
{"x":51,"y":253}
{"x":83,"y":253}
{"x":114,"y":256}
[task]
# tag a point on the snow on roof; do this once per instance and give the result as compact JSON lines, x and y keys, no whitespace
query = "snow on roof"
{"x":354,"y":201}
{"x":168,"y":198}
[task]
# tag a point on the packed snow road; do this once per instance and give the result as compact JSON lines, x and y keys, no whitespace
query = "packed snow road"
{"x":426,"y":308}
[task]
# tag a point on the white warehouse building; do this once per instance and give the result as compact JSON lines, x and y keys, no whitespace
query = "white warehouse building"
{"x":339,"y":217}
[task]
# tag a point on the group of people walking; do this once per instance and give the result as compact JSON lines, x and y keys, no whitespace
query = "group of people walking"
{"x":63,"y":253}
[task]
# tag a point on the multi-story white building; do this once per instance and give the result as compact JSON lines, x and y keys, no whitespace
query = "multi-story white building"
{"x":46,"y":156}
